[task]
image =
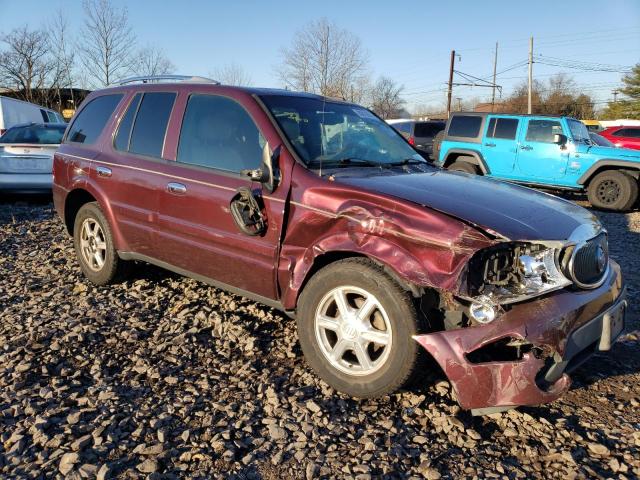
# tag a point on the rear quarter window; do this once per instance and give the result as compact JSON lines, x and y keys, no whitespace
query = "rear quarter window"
{"x":428,"y":129}
{"x":467,"y":126}
{"x":90,"y":122}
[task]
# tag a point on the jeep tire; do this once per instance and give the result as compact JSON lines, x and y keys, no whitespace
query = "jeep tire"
{"x":345,"y":309}
{"x":93,"y":242}
{"x":461,"y":165}
{"x":613,"y":190}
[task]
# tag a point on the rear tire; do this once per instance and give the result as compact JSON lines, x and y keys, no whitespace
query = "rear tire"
{"x":462,"y":166}
{"x":95,"y":249}
{"x":343,"y":312}
{"x":613,"y":190}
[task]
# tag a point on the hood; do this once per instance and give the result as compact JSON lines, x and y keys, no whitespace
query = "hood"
{"x":514,"y":212}
{"x":615,"y":153}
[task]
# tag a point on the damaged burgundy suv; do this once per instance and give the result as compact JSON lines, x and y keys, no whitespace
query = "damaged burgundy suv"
{"x":320,"y":209}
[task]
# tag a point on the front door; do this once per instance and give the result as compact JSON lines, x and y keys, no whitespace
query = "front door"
{"x":538,"y":156}
{"x":500,"y":146}
{"x":196,"y":227}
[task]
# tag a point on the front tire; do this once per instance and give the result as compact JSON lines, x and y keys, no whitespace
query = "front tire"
{"x":613,"y":190}
{"x":95,"y":249}
{"x":355,"y":326}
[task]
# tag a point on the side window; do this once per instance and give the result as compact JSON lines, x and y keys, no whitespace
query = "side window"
{"x":88,"y":125}
{"x":150,"y":127}
{"x":542,"y":130}
{"x":620,"y":133}
{"x":505,"y":128}
{"x":45,"y":117}
{"x":465,"y":126}
{"x":218,"y":133}
{"x":121,"y":141}
{"x":403,"y":127}
{"x":428,"y":129}
{"x":633,"y":132}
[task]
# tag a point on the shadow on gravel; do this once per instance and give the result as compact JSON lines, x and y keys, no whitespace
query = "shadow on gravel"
{"x":15,"y":207}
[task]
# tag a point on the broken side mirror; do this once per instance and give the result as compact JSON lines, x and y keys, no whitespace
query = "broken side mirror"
{"x":268,"y":174}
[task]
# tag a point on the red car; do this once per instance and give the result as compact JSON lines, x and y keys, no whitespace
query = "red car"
{"x":320,"y":209}
{"x":625,"y":137}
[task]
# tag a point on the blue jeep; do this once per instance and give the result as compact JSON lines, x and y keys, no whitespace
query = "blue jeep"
{"x":545,"y":151}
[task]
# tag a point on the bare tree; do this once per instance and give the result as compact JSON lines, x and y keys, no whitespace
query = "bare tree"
{"x":324,"y":59}
{"x":151,"y":61}
{"x":386,"y":98}
{"x":25,"y":65}
{"x":232,"y":74}
{"x":106,"y":42}
{"x":60,"y":43}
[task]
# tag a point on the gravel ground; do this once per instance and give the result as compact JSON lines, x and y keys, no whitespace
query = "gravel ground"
{"x":163,"y":377}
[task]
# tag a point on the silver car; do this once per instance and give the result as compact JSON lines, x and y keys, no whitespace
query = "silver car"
{"x":26,"y":156}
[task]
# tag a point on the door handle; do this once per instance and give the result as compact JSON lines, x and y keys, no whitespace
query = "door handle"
{"x":489,"y":144}
{"x":103,"y":171}
{"x":526,"y":147}
{"x":176,"y":188}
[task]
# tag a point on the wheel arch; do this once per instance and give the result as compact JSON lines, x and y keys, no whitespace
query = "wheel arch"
{"x":604,"y":165}
{"x":478,"y":159}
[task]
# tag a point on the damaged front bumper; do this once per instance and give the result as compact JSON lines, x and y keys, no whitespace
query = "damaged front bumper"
{"x":523,"y":357}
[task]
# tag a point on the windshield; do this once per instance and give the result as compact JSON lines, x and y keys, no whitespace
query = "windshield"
{"x":579,"y":131}
{"x":331,"y":133}
{"x":34,"y":134}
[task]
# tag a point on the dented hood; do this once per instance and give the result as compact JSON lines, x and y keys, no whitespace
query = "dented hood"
{"x":514,"y":212}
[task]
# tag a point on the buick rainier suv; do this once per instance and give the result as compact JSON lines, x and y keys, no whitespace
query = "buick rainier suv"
{"x":318,"y":208}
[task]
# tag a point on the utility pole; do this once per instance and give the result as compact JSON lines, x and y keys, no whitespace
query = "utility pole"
{"x":615,"y":96}
{"x":495,"y":64}
{"x":450,"y":90}
{"x":529,"y":110}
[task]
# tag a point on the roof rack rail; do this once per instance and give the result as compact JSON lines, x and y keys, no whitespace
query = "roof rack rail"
{"x":166,"y":78}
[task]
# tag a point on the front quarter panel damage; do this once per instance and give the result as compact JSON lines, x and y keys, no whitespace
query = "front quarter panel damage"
{"x":422,"y":247}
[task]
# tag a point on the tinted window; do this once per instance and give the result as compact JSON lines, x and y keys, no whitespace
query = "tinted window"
{"x":124,"y":129}
{"x":218,"y":133}
{"x":464,"y":126}
{"x":39,"y":134}
{"x":403,"y":127}
{"x":600,"y":140}
{"x":542,"y":130}
{"x":147,"y":137}
{"x":627,"y":132}
{"x":428,"y":129}
{"x":45,"y":118}
{"x":88,"y":125}
{"x":503,"y":128}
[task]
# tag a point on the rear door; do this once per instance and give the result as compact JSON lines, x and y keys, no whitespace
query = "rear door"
{"x":538,"y":157}
{"x":500,"y":145}
{"x":219,"y":137}
{"x":132,"y":168}
{"x":424,"y":133}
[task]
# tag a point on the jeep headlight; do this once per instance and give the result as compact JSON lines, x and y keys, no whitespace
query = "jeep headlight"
{"x":512,"y":272}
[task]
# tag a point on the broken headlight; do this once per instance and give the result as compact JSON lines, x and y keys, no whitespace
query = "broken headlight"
{"x":513,"y":272}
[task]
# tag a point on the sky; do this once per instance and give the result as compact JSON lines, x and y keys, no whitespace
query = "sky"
{"x":410,"y":42}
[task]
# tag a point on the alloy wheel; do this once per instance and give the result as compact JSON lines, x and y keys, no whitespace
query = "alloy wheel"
{"x":353,"y":330}
{"x":93,"y":245}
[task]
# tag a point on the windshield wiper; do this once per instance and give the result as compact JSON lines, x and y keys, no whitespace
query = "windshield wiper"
{"x":408,"y":161}
{"x":349,"y":161}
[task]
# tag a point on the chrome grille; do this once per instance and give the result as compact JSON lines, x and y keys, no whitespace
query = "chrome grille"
{"x":589,"y":261}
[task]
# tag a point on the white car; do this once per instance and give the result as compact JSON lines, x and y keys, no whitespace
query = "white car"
{"x":26,"y":157}
{"x":15,"y":112}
